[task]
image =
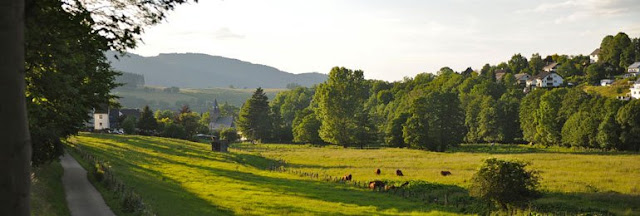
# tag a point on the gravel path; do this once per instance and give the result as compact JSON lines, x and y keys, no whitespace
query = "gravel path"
{"x":82,"y":197}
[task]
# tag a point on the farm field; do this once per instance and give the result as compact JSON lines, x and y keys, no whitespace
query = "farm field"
{"x":177,"y":177}
{"x":570,"y":178}
{"x":156,"y":98}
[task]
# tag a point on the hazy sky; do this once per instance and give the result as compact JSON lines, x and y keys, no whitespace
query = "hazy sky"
{"x":390,"y":39}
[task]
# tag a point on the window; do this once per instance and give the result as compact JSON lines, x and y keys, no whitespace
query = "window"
{"x":100,"y":116}
{"x":100,"y":123}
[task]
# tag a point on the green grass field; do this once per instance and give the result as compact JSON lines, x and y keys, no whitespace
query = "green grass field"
{"x":179,"y":177}
{"x":570,"y":178}
{"x":47,"y":191}
{"x":618,"y":88}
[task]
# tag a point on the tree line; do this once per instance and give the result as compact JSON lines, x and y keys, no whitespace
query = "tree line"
{"x":437,"y":111}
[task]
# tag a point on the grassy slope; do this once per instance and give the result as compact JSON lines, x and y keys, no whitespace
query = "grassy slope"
{"x":618,"y":88}
{"x":580,"y":179}
{"x":184,"y":178}
{"x":47,"y":192}
{"x":136,"y":97}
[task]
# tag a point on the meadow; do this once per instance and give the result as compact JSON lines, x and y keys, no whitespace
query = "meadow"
{"x":571,"y":179}
{"x":177,"y":177}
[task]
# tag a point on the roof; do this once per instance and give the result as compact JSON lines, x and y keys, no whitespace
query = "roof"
{"x":541,"y":75}
{"x":637,"y":81}
{"x":499,"y":75}
{"x":222,"y":122}
{"x":521,"y":75}
{"x":595,"y":52}
{"x":550,"y":66}
{"x":635,"y":65}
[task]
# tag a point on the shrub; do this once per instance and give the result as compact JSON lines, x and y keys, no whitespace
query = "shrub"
{"x":505,"y":183}
{"x":229,"y":134}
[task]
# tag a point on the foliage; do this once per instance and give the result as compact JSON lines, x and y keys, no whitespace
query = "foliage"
{"x":174,"y":130}
{"x":229,"y":134}
{"x":305,"y":127}
{"x":436,"y":122}
{"x":254,"y":119}
{"x":147,"y":123}
{"x":129,"y":125}
{"x":394,"y":135}
{"x":505,"y":183}
{"x":628,"y":118}
{"x":190,"y":121}
{"x":340,"y":102}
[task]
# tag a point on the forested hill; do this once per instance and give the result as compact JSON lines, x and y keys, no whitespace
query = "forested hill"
{"x":193,"y":70}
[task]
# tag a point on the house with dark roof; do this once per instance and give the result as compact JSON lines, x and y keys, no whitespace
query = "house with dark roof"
{"x":593,"y":57}
{"x":522,"y":78}
{"x":553,"y":67}
{"x":117,"y":115}
{"x":545,"y":80}
{"x":634,"y":68}
{"x":218,"y":122}
{"x":499,"y":75}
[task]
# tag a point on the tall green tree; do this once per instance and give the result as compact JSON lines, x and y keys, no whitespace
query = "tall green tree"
{"x":436,"y":122}
{"x":305,"y":127}
{"x":254,"y":119}
{"x":341,"y":106}
{"x":393,"y":133}
{"x":528,"y":111}
{"x":549,"y":125}
{"x":518,"y":63}
{"x":580,"y":130}
{"x":536,"y":64}
{"x":628,"y":118}
{"x":147,"y":123}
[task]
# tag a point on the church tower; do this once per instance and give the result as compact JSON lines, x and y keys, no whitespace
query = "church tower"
{"x":216,"y":111}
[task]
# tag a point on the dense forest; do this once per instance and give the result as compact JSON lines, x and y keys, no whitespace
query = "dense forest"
{"x":436,"y":111}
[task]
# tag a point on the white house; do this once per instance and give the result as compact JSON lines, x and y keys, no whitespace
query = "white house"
{"x":593,"y":57}
{"x":101,"y":120}
{"x":606,"y":82}
{"x":522,"y":78}
{"x":545,"y":80}
{"x":634,"y":68}
{"x":635,"y":90}
{"x":551,"y":67}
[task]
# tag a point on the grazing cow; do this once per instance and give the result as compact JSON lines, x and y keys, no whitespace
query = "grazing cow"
{"x":404,"y":184}
{"x":445,"y":173}
{"x":378,"y":171}
{"x":399,"y":173}
{"x":346,"y":177}
{"x":376,"y":185}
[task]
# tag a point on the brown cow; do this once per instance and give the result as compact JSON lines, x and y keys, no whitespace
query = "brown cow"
{"x":346,"y":177}
{"x":399,"y":173}
{"x":376,"y":185}
{"x":378,"y":171}
{"x":445,"y":173}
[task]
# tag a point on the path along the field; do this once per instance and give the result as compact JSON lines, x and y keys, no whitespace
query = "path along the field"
{"x":82,"y":197}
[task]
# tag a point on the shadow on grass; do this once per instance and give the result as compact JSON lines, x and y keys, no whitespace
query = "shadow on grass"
{"x":601,"y":203}
{"x":521,"y":149}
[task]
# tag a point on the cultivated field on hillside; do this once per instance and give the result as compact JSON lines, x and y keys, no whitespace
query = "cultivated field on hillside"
{"x":571,"y":178}
{"x":198,"y":99}
{"x":177,"y":177}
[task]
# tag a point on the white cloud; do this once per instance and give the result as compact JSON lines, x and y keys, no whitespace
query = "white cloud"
{"x":226,"y":33}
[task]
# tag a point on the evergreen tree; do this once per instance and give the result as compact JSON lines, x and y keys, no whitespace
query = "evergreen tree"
{"x":147,"y":123}
{"x":254,"y":119}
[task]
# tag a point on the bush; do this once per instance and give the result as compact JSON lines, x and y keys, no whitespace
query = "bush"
{"x":129,"y":125}
{"x":229,"y":134}
{"x":505,"y":183}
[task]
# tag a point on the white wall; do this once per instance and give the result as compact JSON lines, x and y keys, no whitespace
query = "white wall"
{"x":101,"y":121}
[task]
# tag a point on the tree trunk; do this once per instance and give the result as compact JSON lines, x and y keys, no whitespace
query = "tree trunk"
{"x":15,"y":145}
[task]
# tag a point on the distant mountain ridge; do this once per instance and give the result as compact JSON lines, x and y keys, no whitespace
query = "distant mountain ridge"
{"x":195,"y":70}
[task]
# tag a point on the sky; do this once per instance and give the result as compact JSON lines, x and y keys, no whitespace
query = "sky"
{"x":391,"y":39}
